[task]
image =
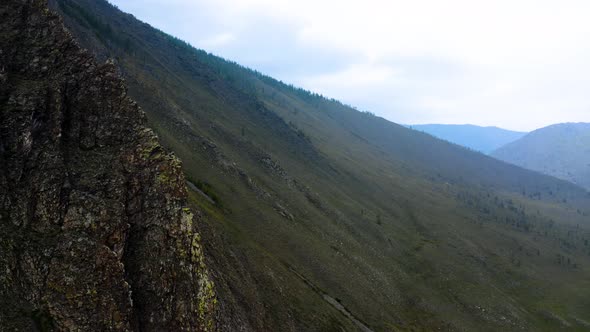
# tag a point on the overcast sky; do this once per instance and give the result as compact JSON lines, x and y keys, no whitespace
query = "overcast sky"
{"x":516,"y":64}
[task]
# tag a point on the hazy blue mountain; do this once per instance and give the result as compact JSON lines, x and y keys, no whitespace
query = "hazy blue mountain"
{"x":561,"y":150}
{"x":483,"y":139}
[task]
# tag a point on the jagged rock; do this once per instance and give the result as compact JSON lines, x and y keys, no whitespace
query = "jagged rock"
{"x":94,"y":232}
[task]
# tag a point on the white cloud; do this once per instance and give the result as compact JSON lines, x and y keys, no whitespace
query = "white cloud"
{"x":518,"y":64}
{"x":218,"y":40}
{"x":365,"y":75}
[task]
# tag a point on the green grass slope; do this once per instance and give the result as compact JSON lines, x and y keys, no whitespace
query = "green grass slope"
{"x":323,"y":218}
{"x":561,"y":150}
{"x":483,"y":139}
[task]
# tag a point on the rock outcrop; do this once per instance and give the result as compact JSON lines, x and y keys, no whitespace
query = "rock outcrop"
{"x":94,"y":229}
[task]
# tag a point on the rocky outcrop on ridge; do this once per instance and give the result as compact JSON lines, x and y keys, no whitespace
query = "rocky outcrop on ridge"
{"x":94,"y":229}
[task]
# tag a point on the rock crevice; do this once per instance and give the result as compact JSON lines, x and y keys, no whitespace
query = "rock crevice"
{"x":94,"y":229}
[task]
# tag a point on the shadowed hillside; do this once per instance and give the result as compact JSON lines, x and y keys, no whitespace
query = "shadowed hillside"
{"x":323,"y":218}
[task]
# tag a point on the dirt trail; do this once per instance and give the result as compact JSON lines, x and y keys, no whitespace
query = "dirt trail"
{"x":333,"y":302}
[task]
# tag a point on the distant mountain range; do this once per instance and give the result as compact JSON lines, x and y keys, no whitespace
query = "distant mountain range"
{"x":561,"y":150}
{"x":482,"y":139}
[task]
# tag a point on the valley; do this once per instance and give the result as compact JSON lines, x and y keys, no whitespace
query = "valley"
{"x":212,"y":197}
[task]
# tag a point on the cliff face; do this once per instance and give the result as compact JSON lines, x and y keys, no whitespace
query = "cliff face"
{"x":94,"y":233}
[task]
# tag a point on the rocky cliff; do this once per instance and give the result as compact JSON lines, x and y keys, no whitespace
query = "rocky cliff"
{"x":94,"y":232}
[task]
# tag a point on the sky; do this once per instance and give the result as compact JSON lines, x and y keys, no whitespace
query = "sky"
{"x":515,"y":64}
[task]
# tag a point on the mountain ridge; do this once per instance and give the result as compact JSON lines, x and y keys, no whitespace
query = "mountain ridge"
{"x":559,"y":150}
{"x":392,"y":223}
{"x":485,"y":139}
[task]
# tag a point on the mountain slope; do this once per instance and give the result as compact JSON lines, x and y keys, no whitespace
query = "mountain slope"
{"x":94,"y":223}
{"x":561,"y":150}
{"x":483,"y":139}
{"x":322,"y":218}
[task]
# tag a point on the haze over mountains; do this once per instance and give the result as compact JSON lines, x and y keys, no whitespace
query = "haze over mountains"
{"x":483,"y":139}
{"x":313,"y":216}
{"x":561,"y":150}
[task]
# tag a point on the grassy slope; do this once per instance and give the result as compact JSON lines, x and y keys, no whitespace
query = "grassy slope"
{"x":561,"y":150}
{"x":315,"y":198}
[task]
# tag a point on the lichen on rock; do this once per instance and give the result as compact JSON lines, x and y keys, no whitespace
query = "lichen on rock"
{"x":94,"y":229}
